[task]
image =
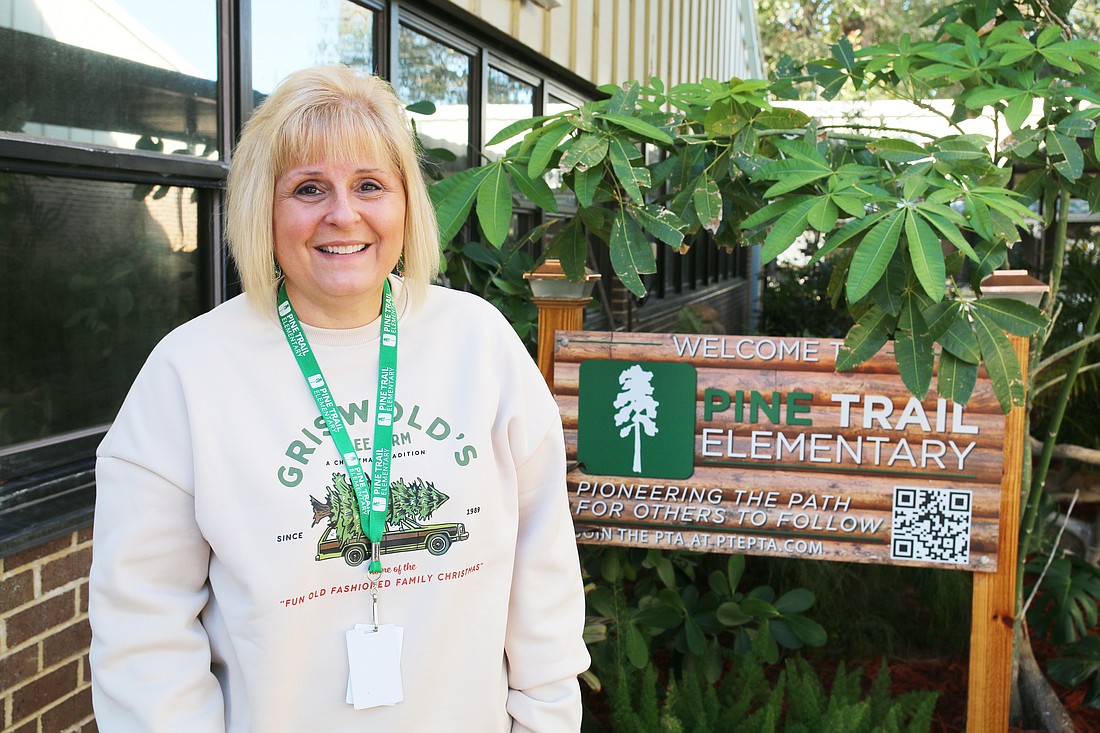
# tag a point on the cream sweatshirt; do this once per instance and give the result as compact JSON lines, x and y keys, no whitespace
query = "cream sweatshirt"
{"x":222,"y":584}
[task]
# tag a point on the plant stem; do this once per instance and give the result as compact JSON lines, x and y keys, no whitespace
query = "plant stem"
{"x":1082,"y":344}
{"x":1036,"y":478}
{"x":1042,"y":466}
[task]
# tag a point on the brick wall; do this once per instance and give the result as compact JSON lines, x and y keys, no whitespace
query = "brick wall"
{"x":44,"y":636}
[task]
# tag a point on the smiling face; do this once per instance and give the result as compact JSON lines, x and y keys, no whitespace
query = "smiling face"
{"x":338,"y":230}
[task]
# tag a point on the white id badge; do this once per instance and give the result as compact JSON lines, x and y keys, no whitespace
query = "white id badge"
{"x":375,"y":660}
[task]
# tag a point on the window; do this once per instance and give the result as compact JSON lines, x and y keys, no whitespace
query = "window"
{"x":510,"y":99}
{"x":110,"y":163}
{"x":92,"y":275}
{"x":288,"y":35}
{"x":135,"y":74}
{"x":435,"y":72}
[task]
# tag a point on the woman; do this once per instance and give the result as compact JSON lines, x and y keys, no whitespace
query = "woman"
{"x":235,"y":580}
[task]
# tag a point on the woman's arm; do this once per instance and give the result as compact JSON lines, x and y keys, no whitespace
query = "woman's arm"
{"x":546,"y":615}
{"x":150,"y":656}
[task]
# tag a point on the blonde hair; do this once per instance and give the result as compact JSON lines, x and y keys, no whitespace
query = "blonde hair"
{"x":324,"y":113}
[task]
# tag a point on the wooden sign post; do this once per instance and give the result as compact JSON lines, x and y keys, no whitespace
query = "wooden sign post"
{"x":756,"y":445}
{"x":994,"y":597}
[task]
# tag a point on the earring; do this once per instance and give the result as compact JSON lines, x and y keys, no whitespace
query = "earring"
{"x":401,"y":265}
{"x":278,"y":271}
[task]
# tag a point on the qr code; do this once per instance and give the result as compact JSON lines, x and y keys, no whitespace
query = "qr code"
{"x":931,"y":525}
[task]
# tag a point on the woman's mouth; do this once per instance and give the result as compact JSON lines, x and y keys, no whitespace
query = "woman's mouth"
{"x":342,"y":250}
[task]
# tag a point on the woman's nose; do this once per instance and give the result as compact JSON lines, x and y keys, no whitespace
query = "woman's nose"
{"x":342,"y":211}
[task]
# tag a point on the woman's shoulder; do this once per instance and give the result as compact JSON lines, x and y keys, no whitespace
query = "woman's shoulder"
{"x":226,"y":326}
{"x":444,"y":304}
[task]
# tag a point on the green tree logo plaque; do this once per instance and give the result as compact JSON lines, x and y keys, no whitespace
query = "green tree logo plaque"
{"x":637,"y":419}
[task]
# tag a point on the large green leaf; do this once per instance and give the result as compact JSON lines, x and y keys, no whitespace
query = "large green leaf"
{"x":865,"y":338}
{"x":494,"y":204}
{"x":897,"y":151}
{"x":991,"y":255}
{"x":1013,"y":316}
{"x":1018,"y":110}
{"x":453,"y":197}
{"x":543,"y":151}
{"x":926,"y":255}
{"x":842,"y":51}
{"x":515,"y":128}
{"x":771,"y":211}
{"x":423,"y":107}
{"x":949,"y":324}
{"x":980,"y":219}
{"x":846,"y":232}
{"x":850,"y":205}
{"x":959,"y":149}
{"x":810,"y":632}
{"x":823,"y":216}
{"x":985,"y":96}
{"x":1075,"y":664}
{"x":1072,"y":166}
{"x":534,"y":189}
{"x":801,"y":150}
{"x":635,"y":125}
{"x":781,"y":118}
{"x":1004,"y":201}
{"x":571,"y":247}
{"x":661,"y":223}
{"x":631,"y":252}
{"x":795,"y":601}
{"x":949,"y":230}
{"x":1077,"y":124}
{"x":783,"y":233}
{"x":873,"y":255}
{"x":913,"y":351}
{"x":730,"y":614}
{"x":792,"y":173}
{"x":722,"y":120}
{"x":708,"y":203}
{"x":888,"y":292}
{"x":1000,"y":361}
{"x":631,"y":178}
{"x":624,"y":99}
{"x":585,"y":183}
{"x":586,"y":151}
{"x":637,"y":651}
{"x":956,"y":378}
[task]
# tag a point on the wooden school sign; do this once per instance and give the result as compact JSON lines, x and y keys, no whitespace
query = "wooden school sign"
{"x":757,"y":445}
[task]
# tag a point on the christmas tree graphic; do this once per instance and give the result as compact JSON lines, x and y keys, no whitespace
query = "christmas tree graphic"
{"x":410,"y":505}
{"x":619,"y":430}
{"x":637,"y":410}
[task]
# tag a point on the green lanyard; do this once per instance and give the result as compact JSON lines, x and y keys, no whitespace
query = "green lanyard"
{"x":373,"y":498}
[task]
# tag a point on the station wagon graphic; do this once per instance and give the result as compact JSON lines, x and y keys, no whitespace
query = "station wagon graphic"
{"x":435,"y":538}
{"x":411,"y":504}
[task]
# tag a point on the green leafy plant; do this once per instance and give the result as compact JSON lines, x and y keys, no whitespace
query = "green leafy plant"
{"x":1066,"y":607}
{"x":746,"y":702}
{"x":910,"y":218}
{"x":1075,"y":664}
{"x":656,"y":605}
{"x":496,"y":274}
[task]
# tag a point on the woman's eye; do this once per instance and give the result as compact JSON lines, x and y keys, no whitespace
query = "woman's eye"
{"x":369,"y":186}
{"x":307,"y":189}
